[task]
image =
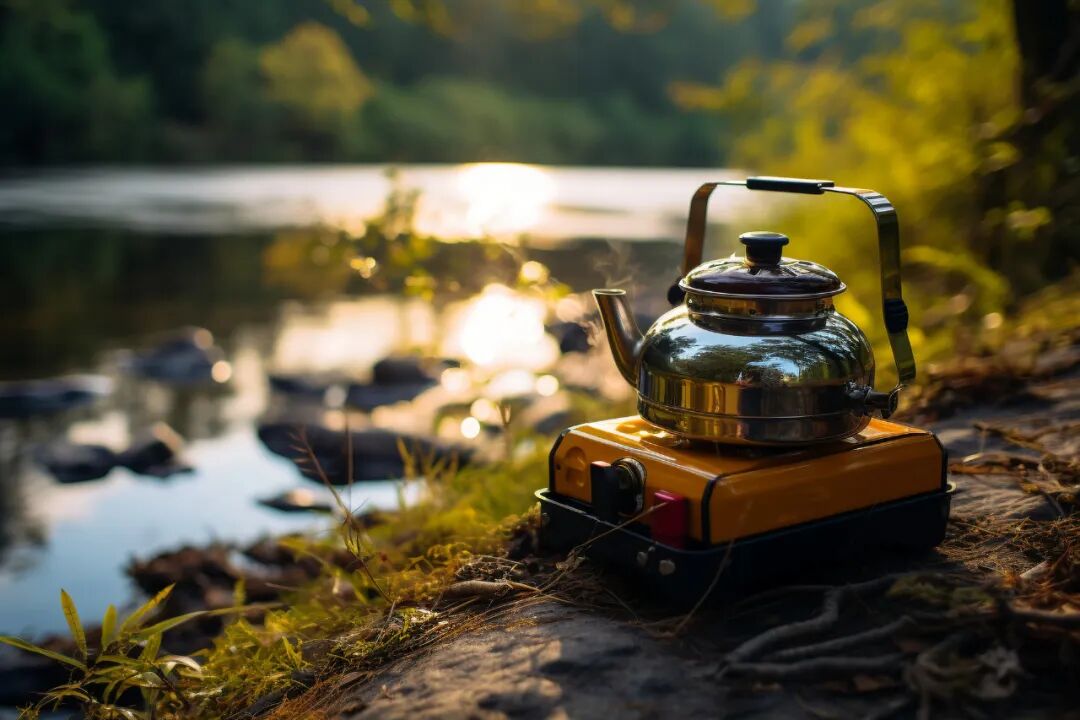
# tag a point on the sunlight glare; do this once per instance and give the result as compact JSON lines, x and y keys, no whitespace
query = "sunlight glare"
{"x":503,"y":329}
{"x":547,"y":385}
{"x":455,"y":380}
{"x":485,"y":410}
{"x":512,"y":383}
{"x":221,"y":371}
{"x":504,"y":198}
{"x":470,"y":427}
{"x":534,"y":272}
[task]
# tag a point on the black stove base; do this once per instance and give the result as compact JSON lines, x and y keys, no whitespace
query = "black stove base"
{"x":682,"y":576}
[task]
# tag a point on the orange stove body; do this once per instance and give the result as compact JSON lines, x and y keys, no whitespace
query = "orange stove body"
{"x":737,"y":492}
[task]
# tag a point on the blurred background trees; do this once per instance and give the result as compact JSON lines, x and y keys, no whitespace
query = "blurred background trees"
{"x":969,"y":132}
{"x":563,"y":81}
{"x":963,"y":112}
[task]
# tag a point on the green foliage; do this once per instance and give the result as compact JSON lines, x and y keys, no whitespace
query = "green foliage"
{"x":365,"y":616}
{"x":456,"y":120}
{"x":356,"y":615}
{"x":73,"y":622}
{"x":118,"y":665}
{"x":129,"y":659}
{"x":311,"y":75}
{"x":390,"y":255}
{"x":579,"y":81}
{"x":242,"y":123}
{"x":62,"y":97}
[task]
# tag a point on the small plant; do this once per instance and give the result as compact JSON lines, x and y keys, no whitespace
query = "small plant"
{"x":127,"y":661}
{"x":376,"y":598}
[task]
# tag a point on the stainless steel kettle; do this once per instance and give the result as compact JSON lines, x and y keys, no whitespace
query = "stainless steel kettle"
{"x":754,"y":353}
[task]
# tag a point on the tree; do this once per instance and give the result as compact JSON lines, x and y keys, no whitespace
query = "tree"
{"x":919,"y":116}
{"x":63,"y":101}
{"x":242,"y":124}
{"x":312,"y":76}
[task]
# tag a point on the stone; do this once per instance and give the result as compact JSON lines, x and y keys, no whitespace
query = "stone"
{"x":297,"y":500}
{"x":155,"y":452}
{"x":367,"y":397}
{"x":24,"y":676}
{"x":407,"y":370}
{"x":375,"y":452}
{"x":573,"y":337}
{"x":70,"y":462}
{"x":188,"y":357}
{"x":298,"y":385}
{"x":29,"y":398}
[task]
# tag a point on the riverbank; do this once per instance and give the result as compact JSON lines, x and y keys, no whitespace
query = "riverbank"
{"x":448,"y":608}
{"x":989,"y":622}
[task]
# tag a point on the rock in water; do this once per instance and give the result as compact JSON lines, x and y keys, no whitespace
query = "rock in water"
{"x":394,"y":380}
{"x":375,"y":452}
{"x":298,"y":385}
{"x":407,"y":370}
{"x":368,"y":397}
{"x":70,"y":462}
{"x":23,"y":677}
{"x":188,"y":357}
{"x":49,"y":396}
{"x":572,"y":337}
{"x":155,"y":452}
{"x":298,"y":500}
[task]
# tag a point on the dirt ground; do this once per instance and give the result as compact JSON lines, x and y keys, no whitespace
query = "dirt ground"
{"x":988,"y":625}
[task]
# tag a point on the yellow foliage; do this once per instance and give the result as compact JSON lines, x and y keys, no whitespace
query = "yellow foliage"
{"x":310,"y":262}
{"x":312,"y":73}
{"x":810,"y":33}
{"x":732,"y":10}
{"x":915,"y":120}
{"x":352,"y":11}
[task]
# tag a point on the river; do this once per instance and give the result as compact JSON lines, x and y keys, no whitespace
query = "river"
{"x":98,"y":263}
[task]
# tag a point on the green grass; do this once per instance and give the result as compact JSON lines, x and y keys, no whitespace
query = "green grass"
{"x":353,"y":617}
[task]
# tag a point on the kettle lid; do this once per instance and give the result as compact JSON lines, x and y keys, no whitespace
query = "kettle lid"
{"x":763,"y":272}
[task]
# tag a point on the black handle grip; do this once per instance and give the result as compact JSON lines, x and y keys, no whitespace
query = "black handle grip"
{"x":791,"y":185}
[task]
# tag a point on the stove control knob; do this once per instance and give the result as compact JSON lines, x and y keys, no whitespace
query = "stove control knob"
{"x":618,"y":489}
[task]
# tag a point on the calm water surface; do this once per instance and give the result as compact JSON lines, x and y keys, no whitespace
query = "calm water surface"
{"x":96,"y":263}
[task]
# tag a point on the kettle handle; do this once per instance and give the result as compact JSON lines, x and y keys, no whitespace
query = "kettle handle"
{"x":888,"y":230}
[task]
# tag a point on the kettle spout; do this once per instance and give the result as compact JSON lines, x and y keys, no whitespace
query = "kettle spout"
{"x":623,"y":334}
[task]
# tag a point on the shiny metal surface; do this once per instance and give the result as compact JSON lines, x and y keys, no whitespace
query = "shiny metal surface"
{"x":754,"y":431}
{"x":749,"y":381}
{"x":888,"y":230}
{"x":760,"y":369}
{"x":623,"y":334}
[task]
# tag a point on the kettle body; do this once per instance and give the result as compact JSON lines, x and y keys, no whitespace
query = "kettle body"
{"x":754,"y":352}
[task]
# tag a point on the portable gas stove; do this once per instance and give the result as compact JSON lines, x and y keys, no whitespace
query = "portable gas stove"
{"x":761,"y":448}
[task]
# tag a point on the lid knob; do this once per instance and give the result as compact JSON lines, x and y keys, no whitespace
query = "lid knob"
{"x":763,"y":247}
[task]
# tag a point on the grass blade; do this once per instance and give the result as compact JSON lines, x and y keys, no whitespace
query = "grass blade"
{"x":61,"y":693}
{"x":119,"y":660}
{"x":153,"y":647}
{"x":135,"y":619}
{"x":108,"y":627}
{"x":72,"y":617}
{"x":239,"y":593}
{"x":164,"y":626}
{"x":52,"y":655}
{"x":188,"y":662}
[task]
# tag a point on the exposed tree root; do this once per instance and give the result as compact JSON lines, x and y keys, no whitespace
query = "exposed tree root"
{"x":843,"y":643}
{"x":829,"y":616}
{"x":818,"y":668}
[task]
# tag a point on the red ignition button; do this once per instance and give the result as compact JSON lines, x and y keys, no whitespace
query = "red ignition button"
{"x":671,"y":523}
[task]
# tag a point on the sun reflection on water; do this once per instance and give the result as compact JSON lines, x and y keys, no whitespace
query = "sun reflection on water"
{"x":504,"y":198}
{"x":501,"y":328}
